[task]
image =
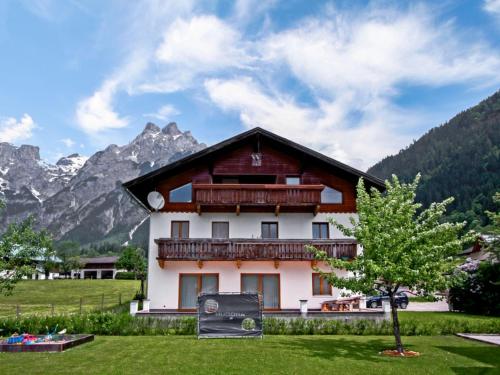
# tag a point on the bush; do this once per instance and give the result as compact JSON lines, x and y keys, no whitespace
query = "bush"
{"x":479,"y":292}
{"x":108,"y":323}
{"x":125,"y":276}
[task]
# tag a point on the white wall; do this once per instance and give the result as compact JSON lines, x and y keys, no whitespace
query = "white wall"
{"x":295,"y":276}
{"x":246,"y":225}
{"x":295,"y":281}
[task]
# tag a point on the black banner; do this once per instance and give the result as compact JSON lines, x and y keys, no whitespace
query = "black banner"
{"x":229,"y":315}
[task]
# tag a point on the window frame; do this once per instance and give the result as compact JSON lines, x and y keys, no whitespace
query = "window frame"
{"x":317,"y":274}
{"x":260,"y":286}
{"x":180,"y":187}
{"x":333,"y":188}
{"x":327,"y":230}
{"x":262,"y":223}
{"x":172,"y":222}
{"x":220,"y":222}
{"x":198,"y":286}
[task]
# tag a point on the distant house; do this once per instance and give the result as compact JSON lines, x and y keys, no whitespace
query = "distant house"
{"x":478,"y":250}
{"x":96,"y":268}
{"x":42,"y":274}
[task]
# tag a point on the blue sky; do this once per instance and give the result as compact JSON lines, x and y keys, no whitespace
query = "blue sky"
{"x":357,"y":80}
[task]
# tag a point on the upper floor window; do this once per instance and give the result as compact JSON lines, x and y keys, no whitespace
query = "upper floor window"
{"x":183,"y":193}
{"x":269,"y":230}
{"x":331,"y":195}
{"x":321,"y":230}
{"x":292,"y":180}
{"x":180,"y":229}
{"x":220,"y":229}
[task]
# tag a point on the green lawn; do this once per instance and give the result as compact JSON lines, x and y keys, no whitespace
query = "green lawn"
{"x":36,"y":296}
{"x":272,"y":355}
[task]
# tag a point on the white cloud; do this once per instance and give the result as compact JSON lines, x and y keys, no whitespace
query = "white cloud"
{"x":12,"y":130}
{"x":492,"y":6}
{"x":354,"y":65}
{"x":95,"y":114}
{"x":373,"y":52}
{"x":68,"y":142}
{"x":199,"y":45}
{"x":139,"y":40}
{"x":322,"y":128}
{"x":164,"y":112}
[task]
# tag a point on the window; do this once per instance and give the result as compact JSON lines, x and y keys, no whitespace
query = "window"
{"x":181,"y":194}
{"x":269,"y":230}
{"x":321,"y":286}
{"x":266,"y":284}
{"x":230,"y":180}
{"x":192,"y":284}
{"x":330,"y":195}
{"x":220,"y":229}
{"x":180,"y":229}
{"x":293,"y":180}
{"x":321,"y":230}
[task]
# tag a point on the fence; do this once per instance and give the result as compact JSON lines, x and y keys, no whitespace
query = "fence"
{"x":77,"y":305}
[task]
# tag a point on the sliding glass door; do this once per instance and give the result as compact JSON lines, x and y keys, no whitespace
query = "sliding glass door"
{"x":266,"y":284}
{"x":190,"y":285}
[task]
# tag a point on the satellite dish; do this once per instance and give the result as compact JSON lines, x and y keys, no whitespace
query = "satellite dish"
{"x":156,"y":200}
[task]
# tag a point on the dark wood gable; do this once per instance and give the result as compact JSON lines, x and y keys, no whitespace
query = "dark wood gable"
{"x":248,"y":173}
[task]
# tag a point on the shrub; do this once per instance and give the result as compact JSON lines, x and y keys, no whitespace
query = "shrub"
{"x":479,"y":293}
{"x":125,"y":275}
{"x":108,"y":323}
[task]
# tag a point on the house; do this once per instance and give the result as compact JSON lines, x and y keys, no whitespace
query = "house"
{"x":96,"y":268}
{"x":41,"y":273}
{"x":236,"y":217}
{"x":479,"y":250}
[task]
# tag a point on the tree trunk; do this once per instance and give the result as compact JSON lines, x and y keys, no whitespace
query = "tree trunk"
{"x":395,"y":323}
{"x":142,"y":286}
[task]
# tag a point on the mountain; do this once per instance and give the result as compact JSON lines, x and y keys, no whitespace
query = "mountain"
{"x":460,"y":158}
{"x":81,"y":199}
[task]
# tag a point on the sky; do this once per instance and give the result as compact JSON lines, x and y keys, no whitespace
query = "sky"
{"x":356,"y":80}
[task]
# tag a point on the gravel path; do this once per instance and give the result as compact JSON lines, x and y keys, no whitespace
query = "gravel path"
{"x":490,"y":339}
{"x":428,"y":306}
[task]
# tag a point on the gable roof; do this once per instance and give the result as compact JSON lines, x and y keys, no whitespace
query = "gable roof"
{"x":135,"y":185}
{"x":100,"y":260}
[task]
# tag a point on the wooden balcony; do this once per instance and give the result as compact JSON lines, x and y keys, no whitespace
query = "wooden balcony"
{"x":272,"y":195}
{"x":203,"y":249}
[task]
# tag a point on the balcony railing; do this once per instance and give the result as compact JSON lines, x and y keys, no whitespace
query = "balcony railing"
{"x":257,"y":194}
{"x":250,"y":249}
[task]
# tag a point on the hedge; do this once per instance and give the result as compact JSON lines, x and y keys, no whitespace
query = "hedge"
{"x":108,"y":323}
{"x":125,"y":275}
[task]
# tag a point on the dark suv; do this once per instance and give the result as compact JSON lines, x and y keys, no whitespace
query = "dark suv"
{"x":376,"y":301}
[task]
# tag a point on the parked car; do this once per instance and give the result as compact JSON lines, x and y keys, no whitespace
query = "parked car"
{"x":376,"y":301}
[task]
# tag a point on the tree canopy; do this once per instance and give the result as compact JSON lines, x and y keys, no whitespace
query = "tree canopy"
{"x":21,"y":247}
{"x":402,"y":244}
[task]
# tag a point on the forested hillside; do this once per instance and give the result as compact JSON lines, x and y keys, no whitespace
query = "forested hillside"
{"x":460,"y":158}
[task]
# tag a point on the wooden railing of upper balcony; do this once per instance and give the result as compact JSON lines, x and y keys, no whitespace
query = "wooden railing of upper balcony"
{"x":257,"y":194}
{"x":250,"y":249}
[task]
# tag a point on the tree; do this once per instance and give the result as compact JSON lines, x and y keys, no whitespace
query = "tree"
{"x":402,"y":245}
{"x":132,"y":259}
{"x":20,"y":247}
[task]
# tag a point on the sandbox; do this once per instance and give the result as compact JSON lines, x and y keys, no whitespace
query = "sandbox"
{"x":57,"y":343}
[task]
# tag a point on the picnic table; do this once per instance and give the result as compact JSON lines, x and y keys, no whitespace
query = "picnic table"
{"x":343,"y":304}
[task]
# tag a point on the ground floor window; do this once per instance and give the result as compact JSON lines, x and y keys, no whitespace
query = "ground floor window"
{"x":266,"y":284}
{"x":320,"y":286}
{"x":192,"y":284}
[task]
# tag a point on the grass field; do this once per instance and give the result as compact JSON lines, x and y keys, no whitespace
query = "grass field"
{"x":37,"y":296}
{"x":272,"y":355}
